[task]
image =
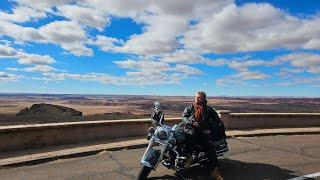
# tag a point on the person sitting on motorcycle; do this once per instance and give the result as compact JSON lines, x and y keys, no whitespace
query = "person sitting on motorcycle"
{"x":200,"y":115}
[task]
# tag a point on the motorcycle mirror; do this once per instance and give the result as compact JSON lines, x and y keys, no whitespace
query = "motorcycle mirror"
{"x":156,"y":106}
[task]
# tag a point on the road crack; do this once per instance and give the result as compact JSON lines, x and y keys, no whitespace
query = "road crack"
{"x":122,"y":170}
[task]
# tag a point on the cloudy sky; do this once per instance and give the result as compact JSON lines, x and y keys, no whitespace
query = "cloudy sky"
{"x":164,"y":47}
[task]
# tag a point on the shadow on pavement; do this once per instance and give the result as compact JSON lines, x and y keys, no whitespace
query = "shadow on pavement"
{"x":233,"y":170}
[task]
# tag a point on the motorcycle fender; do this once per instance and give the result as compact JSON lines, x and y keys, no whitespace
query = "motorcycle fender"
{"x":151,"y":158}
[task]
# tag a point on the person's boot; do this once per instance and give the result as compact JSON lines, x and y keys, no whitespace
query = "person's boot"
{"x":216,"y":174}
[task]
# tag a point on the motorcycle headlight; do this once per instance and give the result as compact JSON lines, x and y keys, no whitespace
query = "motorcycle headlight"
{"x":162,"y":134}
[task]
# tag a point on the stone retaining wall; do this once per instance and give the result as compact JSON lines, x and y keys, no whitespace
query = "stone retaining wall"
{"x":20,"y":137}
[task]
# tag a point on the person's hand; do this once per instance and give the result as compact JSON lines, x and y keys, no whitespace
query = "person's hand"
{"x":191,"y":119}
{"x":195,"y":124}
{"x":207,"y":132}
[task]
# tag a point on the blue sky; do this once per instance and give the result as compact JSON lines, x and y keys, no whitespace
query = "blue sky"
{"x":224,"y":47}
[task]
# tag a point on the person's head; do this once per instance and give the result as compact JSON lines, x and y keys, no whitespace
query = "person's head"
{"x":200,"y":98}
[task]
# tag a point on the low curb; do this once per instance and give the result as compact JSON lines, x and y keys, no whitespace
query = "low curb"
{"x":134,"y":144}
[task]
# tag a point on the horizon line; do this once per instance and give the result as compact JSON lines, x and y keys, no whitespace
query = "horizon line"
{"x":88,"y":94}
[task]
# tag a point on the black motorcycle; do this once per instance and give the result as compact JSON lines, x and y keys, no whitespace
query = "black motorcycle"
{"x":171,"y":145}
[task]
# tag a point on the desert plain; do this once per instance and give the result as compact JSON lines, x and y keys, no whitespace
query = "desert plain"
{"x":104,"y":107}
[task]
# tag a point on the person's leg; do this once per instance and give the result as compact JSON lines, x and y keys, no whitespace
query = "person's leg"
{"x":203,"y":139}
{"x":212,"y":156}
{"x":190,"y":149}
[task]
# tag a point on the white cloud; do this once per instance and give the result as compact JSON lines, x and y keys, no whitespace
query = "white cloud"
{"x":147,"y":72}
{"x":188,"y":8}
{"x":185,"y":57}
{"x":36,"y":68}
{"x":159,"y":36}
{"x":120,"y":8}
{"x":306,"y":80}
{"x":284,"y":84}
{"x":179,"y":8}
{"x":175,"y":35}
{"x":43,"y":5}
{"x":301,"y":59}
{"x":315,"y":70}
{"x":5,"y":42}
{"x":107,"y":44}
{"x":7,"y":51}
{"x":313,"y":43}
{"x":156,"y":66}
{"x":164,"y":22}
{"x":252,"y":27}
{"x":298,"y":63}
{"x":68,"y":34}
{"x":220,"y":26}
{"x":18,"y":32}
{"x":22,"y":14}
{"x":143,"y":65}
{"x":150,"y":78}
{"x":247,"y":75}
{"x":241,"y":65}
{"x":6,"y":77}
{"x":63,"y":31}
{"x":85,"y":16}
{"x":13,"y":69}
{"x":131,"y":78}
{"x":308,"y":61}
{"x":190,"y":57}
{"x":241,"y":77}
{"x":285,"y":72}
{"x":143,"y":72}
{"x":187,"y":70}
{"x":25,"y":58}
{"x":103,"y":78}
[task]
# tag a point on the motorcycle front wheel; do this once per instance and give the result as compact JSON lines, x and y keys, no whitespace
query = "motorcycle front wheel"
{"x":144,"y":173}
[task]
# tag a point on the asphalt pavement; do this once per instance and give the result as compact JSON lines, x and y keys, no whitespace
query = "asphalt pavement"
{"x":271,"y":157}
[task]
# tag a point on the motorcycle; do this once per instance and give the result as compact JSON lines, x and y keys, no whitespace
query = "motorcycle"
{"x":169,"y":145}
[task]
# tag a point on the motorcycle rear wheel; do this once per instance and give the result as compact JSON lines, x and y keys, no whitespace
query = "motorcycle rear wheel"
{"x":144,"y":173}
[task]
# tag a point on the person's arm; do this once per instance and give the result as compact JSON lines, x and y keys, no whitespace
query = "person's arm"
{"x":186,"y":115}
{"x":215,"y":115}
{"x":218,"y":121}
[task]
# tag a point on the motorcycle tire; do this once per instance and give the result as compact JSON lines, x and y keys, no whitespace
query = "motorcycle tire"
{"x":144,"y":173}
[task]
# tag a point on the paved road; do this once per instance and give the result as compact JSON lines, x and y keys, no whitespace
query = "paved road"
{"x":273,"y":157}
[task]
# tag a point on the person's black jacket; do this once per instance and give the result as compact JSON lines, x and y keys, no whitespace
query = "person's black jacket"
{"x":210,"y":121}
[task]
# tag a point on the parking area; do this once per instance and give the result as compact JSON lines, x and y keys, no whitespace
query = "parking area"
{"x":271,"y":157}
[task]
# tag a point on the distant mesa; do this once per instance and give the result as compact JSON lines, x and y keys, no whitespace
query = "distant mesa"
{"x":50,"y":110}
